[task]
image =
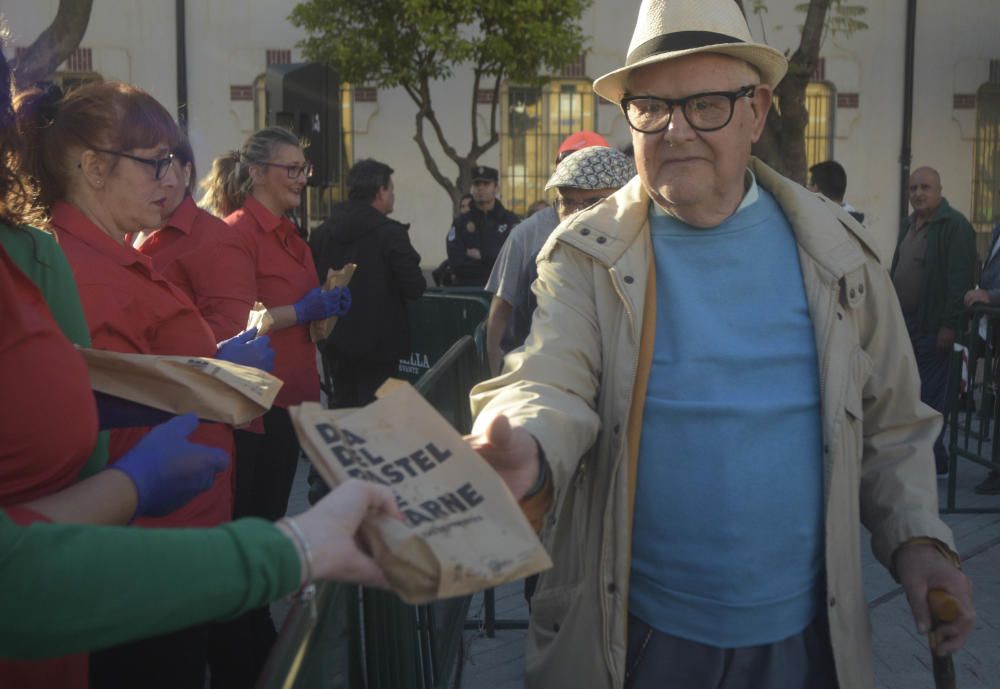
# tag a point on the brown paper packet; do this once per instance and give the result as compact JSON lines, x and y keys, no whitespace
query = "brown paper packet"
{"x":320,"y":330}
{"x":465,"y":531}
{"x":213,"y":389}
{"x":260,"y":318}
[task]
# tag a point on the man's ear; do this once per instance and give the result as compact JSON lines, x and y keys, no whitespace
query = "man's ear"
{"x":94,"y":168}
{"x":760,"y":104}
{"x":187,"y":175}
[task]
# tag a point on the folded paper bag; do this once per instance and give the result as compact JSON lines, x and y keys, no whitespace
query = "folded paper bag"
{"x":464,"y":531}
{"x":213,"y":389}
{"x":320,"y":330}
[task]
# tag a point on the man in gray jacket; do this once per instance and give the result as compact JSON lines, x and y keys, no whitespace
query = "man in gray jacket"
{"x":716,"y":392}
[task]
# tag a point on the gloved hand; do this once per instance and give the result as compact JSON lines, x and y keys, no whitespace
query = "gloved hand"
{"x":317,"y":304}
{"x":167,"y":469}
{"x":244,"y":349}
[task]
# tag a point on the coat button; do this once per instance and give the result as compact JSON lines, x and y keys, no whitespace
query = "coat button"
{"x":852,"y":294}
{"x":833,"y":601}
{"x":861,"y":289}
{"x":840,"y":316}
{"x":612,"y":588}
{"x":629,"y":279}
{"x":602,"y":240}
{"x":617,"y":428}
{"x":585,"y":232}
{"x":555,"y":628}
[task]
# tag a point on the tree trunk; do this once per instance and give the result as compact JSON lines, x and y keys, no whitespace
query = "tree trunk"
{"x":783,"y":145}
{"x":55,"y":44}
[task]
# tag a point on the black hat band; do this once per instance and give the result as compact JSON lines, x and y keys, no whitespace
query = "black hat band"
{"x":676,"y":41}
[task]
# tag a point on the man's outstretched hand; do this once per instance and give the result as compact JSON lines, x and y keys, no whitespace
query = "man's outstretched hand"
{"x":511,"y":451}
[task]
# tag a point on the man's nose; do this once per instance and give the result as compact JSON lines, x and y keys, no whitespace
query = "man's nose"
{"x":678,"y":129}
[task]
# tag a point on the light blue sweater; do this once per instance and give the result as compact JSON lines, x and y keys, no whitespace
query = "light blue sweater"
{"x":727,"y":546}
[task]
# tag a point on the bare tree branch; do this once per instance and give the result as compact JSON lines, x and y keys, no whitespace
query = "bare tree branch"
{"x":55,"y":44}
{"x":429,"y":161}
{"x":475,"y":106}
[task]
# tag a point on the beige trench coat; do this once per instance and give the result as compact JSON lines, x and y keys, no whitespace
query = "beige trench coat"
{"x":571,"y":387}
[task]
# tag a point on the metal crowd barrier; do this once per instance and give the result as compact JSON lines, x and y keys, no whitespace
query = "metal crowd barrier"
{"x":348,"y":637}
{"x":974,"y":405}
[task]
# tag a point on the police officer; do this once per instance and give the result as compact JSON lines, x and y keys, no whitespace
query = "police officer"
{"x":476,"y":236}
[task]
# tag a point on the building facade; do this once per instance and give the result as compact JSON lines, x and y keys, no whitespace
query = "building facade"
{"x":857,"y":99}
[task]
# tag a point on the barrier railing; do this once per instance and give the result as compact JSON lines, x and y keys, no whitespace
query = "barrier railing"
{"x":347,"y":637}
{"x":974,"y":413}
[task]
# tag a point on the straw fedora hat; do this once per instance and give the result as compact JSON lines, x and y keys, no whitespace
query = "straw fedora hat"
{"x":668,"y":29}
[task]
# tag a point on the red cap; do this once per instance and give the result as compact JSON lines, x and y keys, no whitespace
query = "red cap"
{"x":582,"y":139}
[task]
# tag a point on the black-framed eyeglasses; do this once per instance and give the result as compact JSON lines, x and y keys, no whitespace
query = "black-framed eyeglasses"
{"x":705,"y":112}
{"x":159,"y":165}
{"x":294,"y":171}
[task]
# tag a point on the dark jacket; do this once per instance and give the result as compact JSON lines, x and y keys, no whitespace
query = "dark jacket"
{"x":950,"y":266}
{"x":377,"y":326}
{"x":478,"y":230}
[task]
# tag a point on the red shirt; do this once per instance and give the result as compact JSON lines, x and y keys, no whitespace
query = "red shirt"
{"x":131,"y":308}
{"x":204,"y":257}
{"x":285,"y":271}
{"x":48,"y":419}
{"x":48,"y":426}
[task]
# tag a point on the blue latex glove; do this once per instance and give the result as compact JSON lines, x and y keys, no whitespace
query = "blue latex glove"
{"x":244,"y":349}
{"x":317,"y":304}
{"x":167,"y":469}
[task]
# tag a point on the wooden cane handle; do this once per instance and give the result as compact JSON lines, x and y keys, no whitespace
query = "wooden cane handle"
{"x":944,"y":606}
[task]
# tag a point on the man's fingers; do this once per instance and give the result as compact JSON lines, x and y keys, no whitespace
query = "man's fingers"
{"x":499,"y":431}
{"x":919,"y":608}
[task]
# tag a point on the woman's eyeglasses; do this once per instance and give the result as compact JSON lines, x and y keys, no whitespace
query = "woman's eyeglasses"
{"x":294,"y":171}
{"x":159,"y":165}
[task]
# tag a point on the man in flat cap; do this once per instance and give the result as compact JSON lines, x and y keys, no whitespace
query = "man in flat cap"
{"x":510,"y":282}
{"x":716,"y":393}
{"x":476,"y":236}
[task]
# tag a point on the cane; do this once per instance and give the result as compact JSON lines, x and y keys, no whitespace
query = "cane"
{"x":944,"y":609}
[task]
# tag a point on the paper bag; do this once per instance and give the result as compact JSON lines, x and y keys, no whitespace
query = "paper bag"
{"x":465,"y":532}
{"x":213,"y":389}
{"x":320,"y":330}
{"x":259,"y":318}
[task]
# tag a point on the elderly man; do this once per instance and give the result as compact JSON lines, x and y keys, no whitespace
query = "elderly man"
{"x":717,"y":391}
{"x":582,"y":179}
{"x":932,"y":270}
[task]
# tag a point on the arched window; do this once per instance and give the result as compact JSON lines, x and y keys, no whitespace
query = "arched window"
{"x":986,"y":159}
{"x":535,"y":120}
{"x":819,"y":132}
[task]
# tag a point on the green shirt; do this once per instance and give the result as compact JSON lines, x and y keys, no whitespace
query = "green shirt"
{"x":39,"y":257}
{"x":70,"y":588}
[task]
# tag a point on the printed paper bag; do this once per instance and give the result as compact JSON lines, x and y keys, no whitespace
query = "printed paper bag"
{"x":320,"y":330}
{"x":213,"y":389}
{"x":464,"y":532}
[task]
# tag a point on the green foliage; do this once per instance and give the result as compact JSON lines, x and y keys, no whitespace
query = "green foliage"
{"x":843,"y":18}
{"x":389,"y":43}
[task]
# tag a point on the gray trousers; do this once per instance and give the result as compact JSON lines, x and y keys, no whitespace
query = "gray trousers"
{"x":656,"y":660}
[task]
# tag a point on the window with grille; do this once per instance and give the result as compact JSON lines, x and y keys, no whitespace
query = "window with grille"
{"x":986,"y":159}
{"x":535,"y":120}
{"x":820,"y":98}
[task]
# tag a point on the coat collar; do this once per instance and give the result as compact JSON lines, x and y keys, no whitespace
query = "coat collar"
{"x":823,"y":230}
